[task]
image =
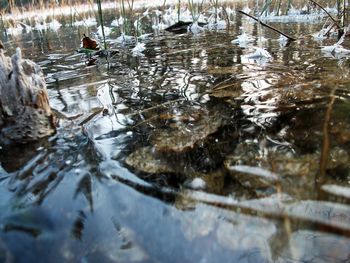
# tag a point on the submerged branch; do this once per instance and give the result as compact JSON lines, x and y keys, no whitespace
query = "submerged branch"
{"x":325,"y":142}
{"x":268,"y":26}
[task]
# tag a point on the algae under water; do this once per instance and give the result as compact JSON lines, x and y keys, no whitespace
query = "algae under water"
{"x":188,"y":152}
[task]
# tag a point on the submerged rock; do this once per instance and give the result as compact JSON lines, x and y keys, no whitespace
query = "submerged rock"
{"x":148,"y":160}
{"x":251,"y":166}
{"x":145,"y":160}
{"x":308,"y":164}
{"x":185,"y":135}
{"x":315,"y":246}
{"x":25,"y":113}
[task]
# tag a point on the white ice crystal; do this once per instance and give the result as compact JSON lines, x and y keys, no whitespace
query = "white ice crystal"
{"x":138,"y":49}
{"x":243,"y":39}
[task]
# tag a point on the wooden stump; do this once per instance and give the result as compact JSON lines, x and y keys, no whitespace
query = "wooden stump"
{"x":25,"y":112}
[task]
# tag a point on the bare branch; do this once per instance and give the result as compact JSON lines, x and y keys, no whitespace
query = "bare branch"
{"x":268,"y":26}
{"x":328,"y":14}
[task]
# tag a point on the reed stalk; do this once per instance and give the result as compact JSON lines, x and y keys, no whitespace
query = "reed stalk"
{"x":2,"y":24}
{"x":341,"y":12}
{"x":266,"y":7}
{"x":123,"y":13}
{"x":71,"y":14}
{"x":278,"y":7}
{"x":216,"y":6}
{"x":137,"y":28}
{"x":11,"y":5}
{"x":191,"y":7}
{"x":131,"y":5}
{"x":338,"y":7}
{"x":263,"y":10}
{"x":127,"y":10}
{"x":100,"y":15}
{"x":195,"y":9}
{"x":259,"y":32}
{"x":289,"y":5}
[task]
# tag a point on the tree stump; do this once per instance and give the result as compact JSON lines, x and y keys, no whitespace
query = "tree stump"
{"x":25,"y":112}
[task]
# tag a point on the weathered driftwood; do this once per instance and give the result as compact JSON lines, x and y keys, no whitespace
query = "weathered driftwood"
{"x":25,"y":113}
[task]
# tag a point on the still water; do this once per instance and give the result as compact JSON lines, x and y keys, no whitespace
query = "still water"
{"x":188,"y":152}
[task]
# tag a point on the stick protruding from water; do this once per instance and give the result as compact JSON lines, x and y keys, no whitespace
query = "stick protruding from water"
{"x":268,"y":26}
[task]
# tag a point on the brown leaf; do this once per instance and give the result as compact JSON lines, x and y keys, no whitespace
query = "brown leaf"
{"x":89,"y":43}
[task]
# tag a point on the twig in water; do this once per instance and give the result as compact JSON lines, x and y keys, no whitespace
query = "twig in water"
{"x":268,"y":26}
{"x":319,"y":180}
{"x":227,"y":18}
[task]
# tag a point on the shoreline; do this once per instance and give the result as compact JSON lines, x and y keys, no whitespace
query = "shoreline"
{"x":85,"y":8}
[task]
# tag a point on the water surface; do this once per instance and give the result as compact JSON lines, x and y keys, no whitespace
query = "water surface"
{"x":191,"y":152}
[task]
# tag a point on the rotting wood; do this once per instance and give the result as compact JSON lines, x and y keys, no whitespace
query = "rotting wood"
{"x":25,"y":112}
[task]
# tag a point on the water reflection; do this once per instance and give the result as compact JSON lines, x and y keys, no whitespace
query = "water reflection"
{"x":139,"y":135}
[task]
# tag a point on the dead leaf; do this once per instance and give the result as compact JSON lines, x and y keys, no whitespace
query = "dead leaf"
{"x":90,"y":43}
